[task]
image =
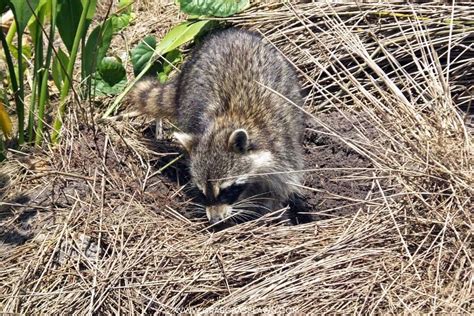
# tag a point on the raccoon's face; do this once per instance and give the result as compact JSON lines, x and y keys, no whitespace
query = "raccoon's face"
{"x":221,"y":165}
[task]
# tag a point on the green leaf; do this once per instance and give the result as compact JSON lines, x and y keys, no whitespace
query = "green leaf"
{"x":96,"y":47}
{"x":121,"y":21}
{"x":181,"y":34}
{"x":34,"y":24}
{"x":221,"y":8}
{"x":102,"y":88}
{"x":58,"y":71}
{"x":142,"y":53}
{"x":124,"y":15}
{"x":177,"y":36}
{"x":91,"y":10}
{"x":23,"y":10}
{"x":172,"y":59}
{"x":112,"y":71}
{"x":68,"y":20}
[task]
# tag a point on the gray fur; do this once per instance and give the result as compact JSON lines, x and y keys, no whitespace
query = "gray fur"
{"x":222,"y":88}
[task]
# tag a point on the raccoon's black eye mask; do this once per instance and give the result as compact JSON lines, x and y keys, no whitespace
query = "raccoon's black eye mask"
{"x":228,"y":195}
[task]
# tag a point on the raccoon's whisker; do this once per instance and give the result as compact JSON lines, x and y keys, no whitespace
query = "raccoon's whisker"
{"x":296,"y":171}
{"x":240,"y":214}
{"x":254,"y":197}
{"x":258,"y":206}
{"x":247,"y":212}
{"x":200,"y":206}
{"x":258,"y":200}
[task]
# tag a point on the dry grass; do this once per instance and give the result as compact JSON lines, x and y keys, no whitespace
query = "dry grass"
{"x":109,"y":234}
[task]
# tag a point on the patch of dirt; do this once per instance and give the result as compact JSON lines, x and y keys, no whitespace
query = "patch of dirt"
{"x":339,"y":179}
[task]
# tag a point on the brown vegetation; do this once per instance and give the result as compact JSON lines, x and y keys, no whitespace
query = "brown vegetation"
{"x":102,"y":222}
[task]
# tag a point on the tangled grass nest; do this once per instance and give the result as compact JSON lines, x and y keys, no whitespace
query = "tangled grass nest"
{"x":97,"y":224}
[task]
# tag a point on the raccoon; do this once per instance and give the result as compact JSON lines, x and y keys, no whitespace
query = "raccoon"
{"x":233,"y":103}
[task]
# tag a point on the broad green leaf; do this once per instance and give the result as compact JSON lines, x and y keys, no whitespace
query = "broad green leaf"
{"x":221,"y":8}
{"x":58,"y":71}
{"x":97,"y":46}
{"x":121,"y":21}
{"x":105,"y":40}
{"x":102,"y":88}
{"x":176,"y":37}
{"x":5,"y":121}
{"x":112,"y":71}
{"x":68,"y":20}
{"x":23,"y":10}
{"x":89,"y":55}
{"x":142,"y":53}
{"x":180,"y":35}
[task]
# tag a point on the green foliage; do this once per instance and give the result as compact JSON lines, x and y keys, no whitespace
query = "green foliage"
{"x":68,"y":20}
{"x":220,"y":8}
{"x":145,"y":54}
{"x":112,"y":71}
{"x":71,"y":19}
{"x":142,"y":54}
{"x":23,"y":10}
{"x":101,"y":74}
{"x":124,"y":16}
{"x":102,"y":88}
{"x":170,"y":61}
{"x":96,"y":47}
{"x":58,"y":71}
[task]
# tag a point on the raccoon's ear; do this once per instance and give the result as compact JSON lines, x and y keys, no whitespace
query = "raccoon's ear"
{"x":186,"y":140}
{"x":239,"y":141}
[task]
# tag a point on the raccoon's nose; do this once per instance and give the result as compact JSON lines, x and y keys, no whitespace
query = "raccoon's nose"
{"x":214,"y":219}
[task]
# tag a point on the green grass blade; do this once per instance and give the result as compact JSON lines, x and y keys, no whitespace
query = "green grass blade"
{"x":43,"y":95}
{"x":58,"y":123}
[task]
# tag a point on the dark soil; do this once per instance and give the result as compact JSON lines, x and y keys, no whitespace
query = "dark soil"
{"x":84,"y":163}
{"x":333,"y":191}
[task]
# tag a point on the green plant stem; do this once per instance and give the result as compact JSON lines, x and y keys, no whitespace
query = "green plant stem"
{"x":11,"y":33}
{"x":20,"y":107}
{"x":11,"y":67}
{"x":43,"y":95}
{"x":58,"y":122}
{"x":37,"y":77}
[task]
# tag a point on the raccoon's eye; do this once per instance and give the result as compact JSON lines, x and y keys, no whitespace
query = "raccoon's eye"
{"x":231,"y":194}
{"x":197,"y":195}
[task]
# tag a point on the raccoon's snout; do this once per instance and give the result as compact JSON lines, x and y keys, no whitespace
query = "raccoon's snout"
{"x":217,"y":213}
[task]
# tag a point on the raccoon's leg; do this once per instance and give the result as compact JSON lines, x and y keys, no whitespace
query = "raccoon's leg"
{"x":298,"y":208}
{"x":159,"y":129}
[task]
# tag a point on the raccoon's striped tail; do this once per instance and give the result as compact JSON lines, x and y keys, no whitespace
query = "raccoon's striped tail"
{"x":151,"y":98}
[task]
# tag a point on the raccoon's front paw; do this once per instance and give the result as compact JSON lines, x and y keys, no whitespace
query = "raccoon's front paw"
{"x":298,"y":210}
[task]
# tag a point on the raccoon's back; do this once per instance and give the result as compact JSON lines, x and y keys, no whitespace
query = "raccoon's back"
{"x":236,"y":68}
